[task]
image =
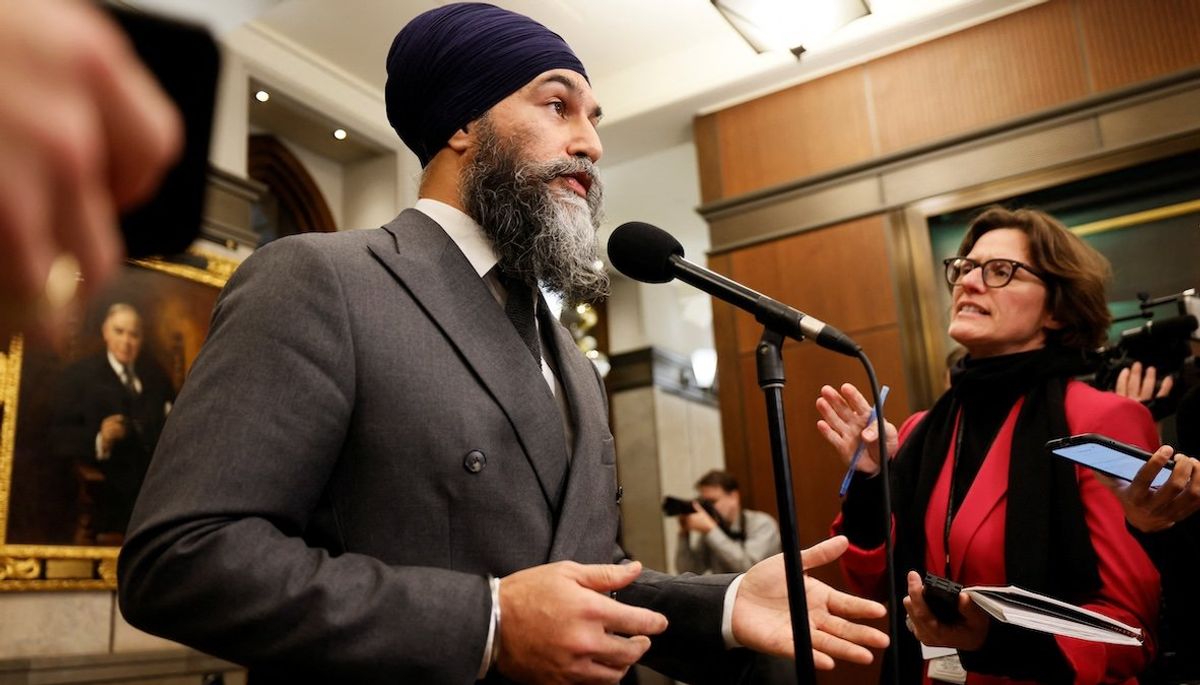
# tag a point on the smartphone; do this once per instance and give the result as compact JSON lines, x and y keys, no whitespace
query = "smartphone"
{"x":1106,"y":455}
{"x":185,"y":61}
{"x":941,"y":596}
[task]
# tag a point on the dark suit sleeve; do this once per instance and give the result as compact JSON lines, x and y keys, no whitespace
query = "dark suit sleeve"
{"x":71,"y":436}
{"x":692,"y":649}
{"x":216,"y":556}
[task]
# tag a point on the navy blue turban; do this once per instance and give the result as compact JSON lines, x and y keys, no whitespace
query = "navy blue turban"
{"x":451,"y":64}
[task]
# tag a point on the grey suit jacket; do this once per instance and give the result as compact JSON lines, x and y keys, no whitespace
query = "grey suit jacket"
{"x":363,"y":438}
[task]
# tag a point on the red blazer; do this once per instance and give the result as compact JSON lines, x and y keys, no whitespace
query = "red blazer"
{"x":1129,"y":589}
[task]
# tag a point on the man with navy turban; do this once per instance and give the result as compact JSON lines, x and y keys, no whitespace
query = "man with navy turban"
{"x":390,"y":463}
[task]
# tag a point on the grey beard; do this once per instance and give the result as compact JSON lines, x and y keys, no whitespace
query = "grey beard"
{"x":540,"y":233}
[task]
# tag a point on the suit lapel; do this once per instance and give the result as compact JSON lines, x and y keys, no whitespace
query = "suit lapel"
{"x":586,"y":474}
{"x":441,"y":280}
{"x":985,"y":494}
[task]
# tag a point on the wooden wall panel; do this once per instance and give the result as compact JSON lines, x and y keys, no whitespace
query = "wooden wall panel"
{"x":984,"y":75}
{"x":708,"y":157}
{"x":840,"y":274}
{"x":807,"y":129}
{"x":730,"y":390}
{"x":755,"y":267}
{"x":1128,"y":41}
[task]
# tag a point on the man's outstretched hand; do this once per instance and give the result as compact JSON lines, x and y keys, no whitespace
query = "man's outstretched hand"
{"x":761,"y":619}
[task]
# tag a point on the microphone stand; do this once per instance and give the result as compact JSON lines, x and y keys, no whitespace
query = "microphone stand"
{"x":769,"y":359}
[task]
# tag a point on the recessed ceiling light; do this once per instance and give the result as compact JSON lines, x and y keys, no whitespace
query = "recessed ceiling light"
{"x":339,"y":133}
{"x":262,"y":96}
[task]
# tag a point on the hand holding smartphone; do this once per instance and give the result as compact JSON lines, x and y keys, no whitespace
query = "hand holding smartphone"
{"x":1106,"y":455}
{"x":941,"y":596}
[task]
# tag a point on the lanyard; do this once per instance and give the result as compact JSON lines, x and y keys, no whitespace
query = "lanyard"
{"x":958,"y":438}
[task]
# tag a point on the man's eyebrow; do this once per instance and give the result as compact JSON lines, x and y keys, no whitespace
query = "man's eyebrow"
{"x":573,"y":87}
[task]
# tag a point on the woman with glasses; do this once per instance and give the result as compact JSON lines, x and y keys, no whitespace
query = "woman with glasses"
{"x":976,"y":497}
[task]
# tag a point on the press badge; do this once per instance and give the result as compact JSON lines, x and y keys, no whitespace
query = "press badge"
{"x":944,"y":665}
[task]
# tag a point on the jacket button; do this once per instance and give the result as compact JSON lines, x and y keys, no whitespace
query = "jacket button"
{"x":620,"y":493}
{"x":474,"y":461}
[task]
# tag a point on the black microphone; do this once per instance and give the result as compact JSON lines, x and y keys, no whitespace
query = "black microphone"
{"x":649,"y":254}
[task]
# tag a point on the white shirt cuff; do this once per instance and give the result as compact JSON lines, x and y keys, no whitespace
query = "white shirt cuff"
{"x":101,"y":454}
{"x":727,"y":613}
{"x":486,"y":664}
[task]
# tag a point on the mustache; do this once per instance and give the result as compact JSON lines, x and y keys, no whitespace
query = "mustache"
{"x":568,"y":166}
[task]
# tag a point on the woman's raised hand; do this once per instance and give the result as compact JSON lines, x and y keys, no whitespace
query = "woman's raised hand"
{"x":846,"y":420}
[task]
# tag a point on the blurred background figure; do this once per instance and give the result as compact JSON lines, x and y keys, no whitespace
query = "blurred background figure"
{"x":110,"y":411}
{"x":730,"y":543}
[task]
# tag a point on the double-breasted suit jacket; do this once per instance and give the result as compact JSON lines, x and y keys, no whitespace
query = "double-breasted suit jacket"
{"x":362,"y":440}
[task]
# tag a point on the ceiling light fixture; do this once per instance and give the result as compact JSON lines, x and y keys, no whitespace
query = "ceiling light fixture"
{"x":262,"y":96}
{"x":339,"y":133}
{"x":769,"y":25}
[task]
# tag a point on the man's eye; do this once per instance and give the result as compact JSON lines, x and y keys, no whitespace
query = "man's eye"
{"x":559,"y":107}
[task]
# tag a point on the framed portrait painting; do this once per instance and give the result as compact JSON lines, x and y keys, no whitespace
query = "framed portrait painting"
{"x":79,"y":421}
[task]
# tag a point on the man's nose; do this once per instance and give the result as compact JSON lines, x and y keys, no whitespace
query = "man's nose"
{"x":585,"y":140}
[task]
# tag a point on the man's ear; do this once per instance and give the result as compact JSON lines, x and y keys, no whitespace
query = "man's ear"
{"x":461,"y":140}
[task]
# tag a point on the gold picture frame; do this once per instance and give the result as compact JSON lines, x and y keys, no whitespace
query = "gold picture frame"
{"x":176,"y":299}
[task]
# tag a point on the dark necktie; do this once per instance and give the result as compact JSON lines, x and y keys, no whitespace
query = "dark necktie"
{"x":520,"y":311}
{"x":129,"y":384}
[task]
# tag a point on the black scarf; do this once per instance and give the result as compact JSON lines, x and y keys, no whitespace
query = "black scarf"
{"x":1047,"y":547}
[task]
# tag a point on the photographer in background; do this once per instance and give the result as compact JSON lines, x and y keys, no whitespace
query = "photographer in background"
{"x":746,"y":538}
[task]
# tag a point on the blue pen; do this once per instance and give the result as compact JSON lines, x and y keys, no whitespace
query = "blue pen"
{"x":862,"y":446}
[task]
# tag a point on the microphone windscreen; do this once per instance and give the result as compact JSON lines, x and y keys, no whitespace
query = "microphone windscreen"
{"x":643,"y":252}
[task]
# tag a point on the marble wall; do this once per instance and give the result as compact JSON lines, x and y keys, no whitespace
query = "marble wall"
{"x":78,"y":637}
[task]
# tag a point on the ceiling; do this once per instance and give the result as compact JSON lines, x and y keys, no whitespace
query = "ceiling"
{"x":654,"y":64}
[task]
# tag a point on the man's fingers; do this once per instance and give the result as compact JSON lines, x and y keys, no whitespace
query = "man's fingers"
{"x":622,"y":652}
{"x":629,"y":620}
{"x":850,"y":606}
{"x":848,"y":648}
{"x":824,"y":552}
{"x":607,"y":577}
{"x":822,"y":661}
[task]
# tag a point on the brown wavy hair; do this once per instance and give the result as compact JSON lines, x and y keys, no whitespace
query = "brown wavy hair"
{"x":1076,"y":274}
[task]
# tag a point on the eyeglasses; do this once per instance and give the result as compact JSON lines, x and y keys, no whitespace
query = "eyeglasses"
{"x":997,"y":273}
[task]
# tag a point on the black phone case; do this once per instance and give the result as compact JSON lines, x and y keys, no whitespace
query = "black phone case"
{"x":185,"y":61}
{"x":941,"y":596}
{"x":1096,"y":438}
